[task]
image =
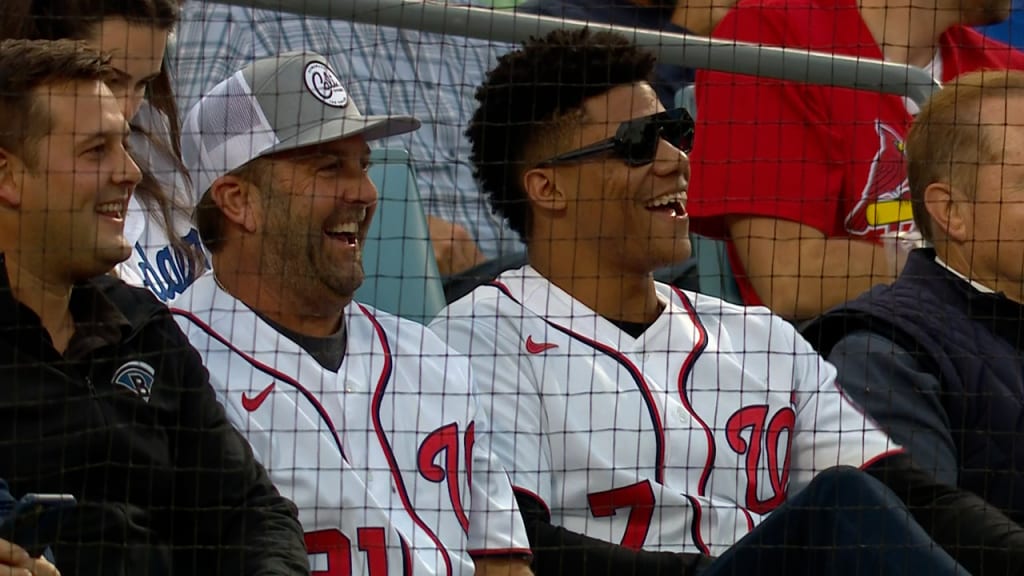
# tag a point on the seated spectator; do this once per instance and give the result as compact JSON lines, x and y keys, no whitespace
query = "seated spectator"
{"x":359,"y":416}
{"x":608,"y":391}
{"x":807,"y":183}
{"x":393,"y":71}
{"x":935,"y":356}
{"x":167,"y":255}
{"x":103,"y":397}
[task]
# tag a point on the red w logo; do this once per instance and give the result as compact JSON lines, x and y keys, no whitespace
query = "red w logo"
{"x":446,"y":440}
{"x":885,"y":201}
{"x":751,"y":434}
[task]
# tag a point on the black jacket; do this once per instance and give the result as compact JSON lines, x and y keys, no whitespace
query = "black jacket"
{"x":126,"y":422}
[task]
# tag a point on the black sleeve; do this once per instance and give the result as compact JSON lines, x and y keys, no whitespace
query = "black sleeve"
{"x":903,"y":397}
{"x":976,"y":534}
{"x":240,"y":519}
{"x":558,"y":551}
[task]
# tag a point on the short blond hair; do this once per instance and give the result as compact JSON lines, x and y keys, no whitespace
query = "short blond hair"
{"x":947,"y":141}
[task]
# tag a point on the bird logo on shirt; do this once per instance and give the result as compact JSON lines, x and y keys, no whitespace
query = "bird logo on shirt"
{"x":137,"y":377}
{"x":884,"y":204}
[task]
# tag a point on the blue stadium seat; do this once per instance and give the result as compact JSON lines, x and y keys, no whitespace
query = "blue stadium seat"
{"x":401,"y":271}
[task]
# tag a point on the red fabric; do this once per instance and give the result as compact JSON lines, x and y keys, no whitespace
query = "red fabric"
{"x":830,"y":158}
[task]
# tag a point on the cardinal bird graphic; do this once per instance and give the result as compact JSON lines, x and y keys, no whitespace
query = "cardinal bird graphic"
{"x":885,"y":202}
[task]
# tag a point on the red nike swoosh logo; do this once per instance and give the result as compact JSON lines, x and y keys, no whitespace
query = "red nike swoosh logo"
{"x":538,"y":347}
{"x":253,"y":404}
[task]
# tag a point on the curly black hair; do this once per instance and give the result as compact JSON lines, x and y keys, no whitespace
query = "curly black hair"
{"x":528,"y":92}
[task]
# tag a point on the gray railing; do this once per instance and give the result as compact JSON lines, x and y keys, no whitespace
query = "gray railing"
{"x":679,"y":49}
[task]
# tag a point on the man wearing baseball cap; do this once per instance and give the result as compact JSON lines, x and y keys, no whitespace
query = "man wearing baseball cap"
{"x":365,"y":420}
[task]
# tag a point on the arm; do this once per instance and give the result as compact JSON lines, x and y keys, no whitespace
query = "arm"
{"x":976,"y":534}
{"x":560,"y":551}
{"x":901,"y":397}
{"x":830,"y":430}
{"x":798,"y":272}
{"x":233,"y":505}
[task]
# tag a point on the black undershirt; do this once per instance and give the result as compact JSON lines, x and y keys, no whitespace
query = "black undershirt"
{"x":328,"y":351}
{"x":634,"y":329}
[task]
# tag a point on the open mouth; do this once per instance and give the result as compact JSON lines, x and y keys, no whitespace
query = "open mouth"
{"x":673,"y":204}
{"x":347,"y":232}
{"x":113,"y":210}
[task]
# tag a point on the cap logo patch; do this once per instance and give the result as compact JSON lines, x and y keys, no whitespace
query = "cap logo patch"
{"x":322,"y":83}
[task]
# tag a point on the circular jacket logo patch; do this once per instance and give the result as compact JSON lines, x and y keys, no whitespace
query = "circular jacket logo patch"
{"x":324,"y":84}
{"x":137,"y":377}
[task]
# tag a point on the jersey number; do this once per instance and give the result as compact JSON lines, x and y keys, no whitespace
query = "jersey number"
{"x":767,"y":436}
{"x":639,"y":498}
{"x":338,"y":549}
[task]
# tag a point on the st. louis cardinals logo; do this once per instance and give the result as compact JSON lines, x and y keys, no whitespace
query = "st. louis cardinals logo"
{"x":445,"y":440}
{"x":751,"y":434}
{"x":884,"y":205}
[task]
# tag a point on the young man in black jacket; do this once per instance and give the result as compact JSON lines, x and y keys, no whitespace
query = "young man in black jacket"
{"x":102,"y":397}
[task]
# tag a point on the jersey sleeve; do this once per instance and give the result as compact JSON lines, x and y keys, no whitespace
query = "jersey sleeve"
{"x":509,"y":399}
{"x":495,"y":524}
{"x":830,"y":430}
{"x":761,"y":146}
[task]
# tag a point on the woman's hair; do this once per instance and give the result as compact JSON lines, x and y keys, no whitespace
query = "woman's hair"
{"x":78,"y":20}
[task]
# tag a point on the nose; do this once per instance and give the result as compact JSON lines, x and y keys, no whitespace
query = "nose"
{"x":670,"y":161}
{"x":127,"y":172}
{"x":366,"y":192}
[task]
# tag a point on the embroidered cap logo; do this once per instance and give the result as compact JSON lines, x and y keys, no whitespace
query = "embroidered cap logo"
{"x":137,"y":377}
{"x":324,"y":84}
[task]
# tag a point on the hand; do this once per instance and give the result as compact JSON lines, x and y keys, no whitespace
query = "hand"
{"x":15,"y":561}
{"x":454,"y":248}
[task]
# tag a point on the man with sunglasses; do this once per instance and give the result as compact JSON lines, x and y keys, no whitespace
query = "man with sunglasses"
{"x":646,"y":428}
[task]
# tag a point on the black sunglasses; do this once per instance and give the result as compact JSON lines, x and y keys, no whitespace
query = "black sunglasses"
{"x":636,"y":141}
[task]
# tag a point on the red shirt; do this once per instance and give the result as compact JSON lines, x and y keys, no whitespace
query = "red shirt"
{"x":830,"y":158}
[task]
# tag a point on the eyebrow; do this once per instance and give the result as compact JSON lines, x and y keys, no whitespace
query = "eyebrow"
{"x":122,"y":75}
{"x":103,"y":135}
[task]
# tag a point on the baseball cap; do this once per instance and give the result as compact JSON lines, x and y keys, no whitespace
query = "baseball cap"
{"x":275,"y":104}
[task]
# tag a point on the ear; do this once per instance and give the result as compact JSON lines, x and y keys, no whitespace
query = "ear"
{"x":236,"y":199}
{"x":542,"y":191}
{"x":11,"y":169}
{"x":948,"y":210}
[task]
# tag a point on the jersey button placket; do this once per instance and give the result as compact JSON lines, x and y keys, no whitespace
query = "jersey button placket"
{"x":682,"y":415}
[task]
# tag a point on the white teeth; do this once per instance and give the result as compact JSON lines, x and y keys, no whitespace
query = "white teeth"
{"x":666,"y":199}
{"x":351,"y":227}
{"x":346,"y":228}
{"x":115,"y":208}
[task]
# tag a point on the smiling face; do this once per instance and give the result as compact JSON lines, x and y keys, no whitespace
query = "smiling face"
{"x":71,"y":201}
{"x":316,"y":207}
{"x":137,"y":53}
{"x":631,"y":217}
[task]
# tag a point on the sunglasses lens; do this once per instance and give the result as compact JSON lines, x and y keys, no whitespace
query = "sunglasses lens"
{"x":679,"y":133}
{"x":638,"y":142}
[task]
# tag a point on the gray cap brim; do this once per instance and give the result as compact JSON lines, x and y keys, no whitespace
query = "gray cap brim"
{"x":369,"y":127}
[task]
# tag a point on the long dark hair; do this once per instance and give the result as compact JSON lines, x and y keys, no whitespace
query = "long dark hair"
{"x":78,"y":19}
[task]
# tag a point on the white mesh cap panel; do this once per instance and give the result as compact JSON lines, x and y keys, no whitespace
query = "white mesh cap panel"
{"x":223,"y":131}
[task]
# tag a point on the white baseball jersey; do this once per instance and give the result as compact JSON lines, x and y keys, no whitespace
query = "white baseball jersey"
{"x":681,"y":440}
{"x":153,"y":263}
{"x":386,"y":459}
